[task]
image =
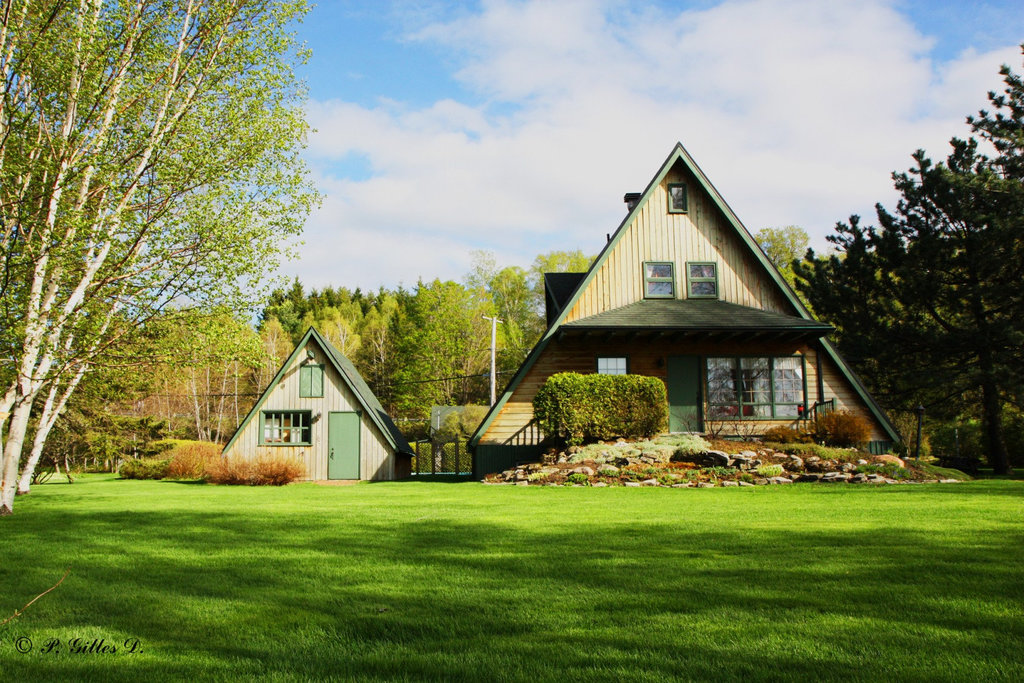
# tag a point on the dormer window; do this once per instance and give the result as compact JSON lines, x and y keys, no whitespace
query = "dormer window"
{"x":702,"y":280}
{"x":659,"y":280}
{"x":677,"y":198}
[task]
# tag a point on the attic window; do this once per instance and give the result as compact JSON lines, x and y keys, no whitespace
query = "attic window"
{"x":702,"y":280}
{"x":659,"y":280}
{"x":677,"y":198}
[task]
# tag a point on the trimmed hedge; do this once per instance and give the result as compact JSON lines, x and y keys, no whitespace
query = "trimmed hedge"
{"x":144,"y":468}
{"x":589,"y":407}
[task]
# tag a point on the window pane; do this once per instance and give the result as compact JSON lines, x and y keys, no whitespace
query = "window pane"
{"x":659,"y":270}
{"x":721,"y":381}
{"x":702,"y":270}
{"x":789,"y":381}
{"x":611,"y":366}
{"x":756,"y":380}
{"x":665,"y":289}
{"x":677,"y":197}
{"x":704,"y":289}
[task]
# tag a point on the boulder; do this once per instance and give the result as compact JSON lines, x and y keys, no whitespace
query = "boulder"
{"x":608,"y":468}
{"x":794,"y":464}
{"x":716,"y":459}
{"x":730,"y":483}
{"x":583,"y":469}
{"x":890,"y":459}
{"x":632,"y":484}
{"x":848,"y":467}
{"x":810,"y":476}
{"x":745,"y":483}
{"x":685,"y":485}
{"x":599,"y":484}
{"x":650,"y":482}
{"x":705,"y":485}
{"x":779,"y":480}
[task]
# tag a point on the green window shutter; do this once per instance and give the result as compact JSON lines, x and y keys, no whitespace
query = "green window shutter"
{"x":311,"y":381}
{"x":316,"y":380}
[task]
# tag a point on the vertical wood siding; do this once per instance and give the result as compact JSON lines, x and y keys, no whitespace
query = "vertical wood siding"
{"x":376,"y":459}
{"x":701,"y":234}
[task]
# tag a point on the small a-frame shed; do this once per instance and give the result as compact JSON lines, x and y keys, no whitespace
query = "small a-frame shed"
{"x":318,"y":409}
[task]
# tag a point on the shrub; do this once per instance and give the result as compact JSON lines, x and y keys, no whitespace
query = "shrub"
{"x":277,"y":470}
{"x":267,"y":470}
{"x":770,"y":470}
{"x":190,"y":459}
{"x":786,"y":435}
{"x":587,"y":407}
{"x":841,"y":428}
{"x":577,"y":478}
{"x":688,"y":445}
{"x":144,"y":468}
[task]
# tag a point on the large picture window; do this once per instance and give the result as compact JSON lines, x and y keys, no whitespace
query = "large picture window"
{"x":762,"y":388}
{"x":286,"y":428}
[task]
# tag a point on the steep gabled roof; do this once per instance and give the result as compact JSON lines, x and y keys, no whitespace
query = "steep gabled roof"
{"x":352,"y":379}
{"x":680,"y":155}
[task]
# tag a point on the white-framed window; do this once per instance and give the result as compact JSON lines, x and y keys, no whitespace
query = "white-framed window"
{"x":612,"y":365}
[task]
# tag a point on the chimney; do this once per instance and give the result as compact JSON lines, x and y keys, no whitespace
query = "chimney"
{"x":631,"y":199}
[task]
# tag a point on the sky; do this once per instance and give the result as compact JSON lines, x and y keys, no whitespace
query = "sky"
{"x":515,"y":127}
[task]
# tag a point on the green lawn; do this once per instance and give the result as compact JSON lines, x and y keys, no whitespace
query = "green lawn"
{"x":462,"y":581}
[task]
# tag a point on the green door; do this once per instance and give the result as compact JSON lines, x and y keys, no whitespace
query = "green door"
{"x":684,"y":394}
{"x":343,"y":445}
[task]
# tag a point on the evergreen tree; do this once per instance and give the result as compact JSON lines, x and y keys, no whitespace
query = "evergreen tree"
{"x":930,"y":305}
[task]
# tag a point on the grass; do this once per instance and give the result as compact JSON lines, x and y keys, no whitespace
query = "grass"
{"x":459,"y":581}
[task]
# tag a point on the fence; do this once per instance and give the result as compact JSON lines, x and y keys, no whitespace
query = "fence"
{"x":441,"y":457}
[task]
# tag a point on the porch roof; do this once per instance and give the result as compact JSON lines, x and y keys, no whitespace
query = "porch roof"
{"x":696,"y":316}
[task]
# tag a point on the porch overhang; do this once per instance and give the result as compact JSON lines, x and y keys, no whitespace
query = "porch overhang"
{"x":682,"y":320}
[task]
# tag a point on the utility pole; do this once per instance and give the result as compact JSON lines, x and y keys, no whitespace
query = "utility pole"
{"x":494,"y":346}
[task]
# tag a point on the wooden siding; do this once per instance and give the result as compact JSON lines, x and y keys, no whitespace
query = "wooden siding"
{"x":647,"y":357}
{"x":702,"y":234}
{"x":377,"y":459}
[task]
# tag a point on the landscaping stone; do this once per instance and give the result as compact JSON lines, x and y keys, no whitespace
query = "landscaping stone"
{"x":730,"y":483}
{"x":632,"y":484}
{"x":522,"y":483}
{"x":862,"y":461}
{"x":810,"y":476}
{"x":608,"y":468}
{"x":650,"y":482}
{"x":589,"y":471}
{"x":890,"y":459}
{"x":705,"y":485}
{"x":858,"y":478}
{"x":686,"y":485}
{"x":745,"y":483}
{"x":599,"y":484}
{"x":794,"y":464}
{"x":779,"y":480}
{"x":716,"y":459}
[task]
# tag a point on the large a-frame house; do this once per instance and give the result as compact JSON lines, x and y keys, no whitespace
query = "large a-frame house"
{"x":682,"y":292}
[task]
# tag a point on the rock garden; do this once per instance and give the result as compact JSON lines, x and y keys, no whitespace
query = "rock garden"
{"x":690,"y":461}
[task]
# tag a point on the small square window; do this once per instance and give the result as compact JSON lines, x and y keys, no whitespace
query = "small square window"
{"x":659,"y":280}
{"x":702,"y":280}
{"x":677,"y":198}
{"x":611,"y":365}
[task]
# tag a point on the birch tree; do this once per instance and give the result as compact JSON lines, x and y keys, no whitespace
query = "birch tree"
{"x":148,"y":155}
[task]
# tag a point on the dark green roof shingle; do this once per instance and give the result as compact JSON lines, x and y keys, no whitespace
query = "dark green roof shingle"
{"x":695,"y":315}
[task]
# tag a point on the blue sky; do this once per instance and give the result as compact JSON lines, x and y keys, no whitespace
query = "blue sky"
{"x":516,"y":127}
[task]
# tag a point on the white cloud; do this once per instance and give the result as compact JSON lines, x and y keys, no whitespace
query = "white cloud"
{"x":797,"y":111}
